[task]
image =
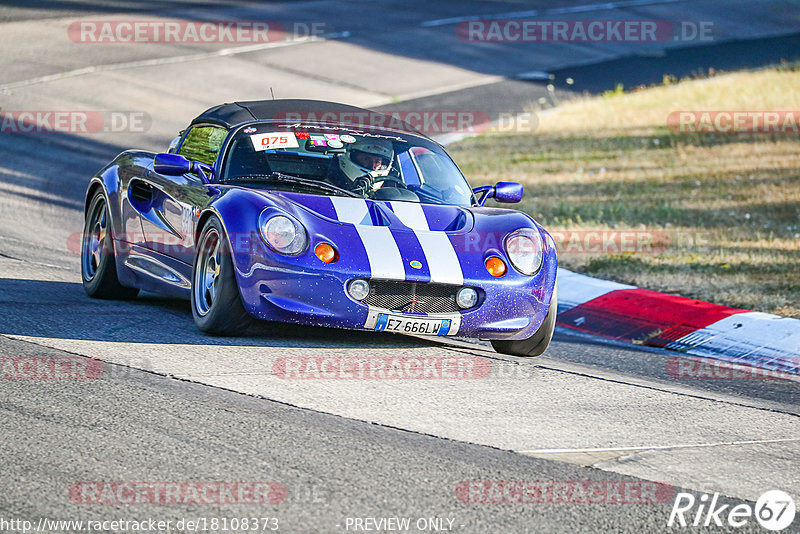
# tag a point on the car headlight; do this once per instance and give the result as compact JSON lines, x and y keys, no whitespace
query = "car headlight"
{"x":524,"y":249}
{"x":283,"y":234}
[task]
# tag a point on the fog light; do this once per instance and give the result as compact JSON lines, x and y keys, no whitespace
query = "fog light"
{"x":358,"y":289}
{"x":495,"y":266}
{"x":466,"y":297}
{"x":326,"y":253}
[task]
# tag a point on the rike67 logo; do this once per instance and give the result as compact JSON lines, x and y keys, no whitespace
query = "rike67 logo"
{"x":774,"y":510}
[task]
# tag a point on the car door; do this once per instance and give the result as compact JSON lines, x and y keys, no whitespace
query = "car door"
{"x":130,"y":168}
{"x":175,"y":202}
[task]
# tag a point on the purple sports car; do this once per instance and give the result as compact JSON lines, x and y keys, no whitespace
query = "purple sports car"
{"x":335,"y":223}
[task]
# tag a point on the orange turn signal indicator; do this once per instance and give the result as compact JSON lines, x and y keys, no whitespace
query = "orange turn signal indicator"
{"x":495,"y":266}
{"x":326,"y":253}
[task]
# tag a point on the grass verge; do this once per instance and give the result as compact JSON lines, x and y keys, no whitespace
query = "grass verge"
{"x":722,"y":211}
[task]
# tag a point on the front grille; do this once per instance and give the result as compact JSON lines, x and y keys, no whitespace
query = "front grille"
{"x":400,"y":296}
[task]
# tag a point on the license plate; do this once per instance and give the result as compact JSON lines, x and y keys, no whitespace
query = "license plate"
{"x":412,"y":325}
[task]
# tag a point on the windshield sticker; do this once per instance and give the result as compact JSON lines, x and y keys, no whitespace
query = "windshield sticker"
{"x":273,"y":140}
{"x":318,"y":140}
{"x":302,"y":135}
{"x":347,"y":138}
{"x":249,"y":129}
{"x":333,"y":141}
{"x":298,"y":125}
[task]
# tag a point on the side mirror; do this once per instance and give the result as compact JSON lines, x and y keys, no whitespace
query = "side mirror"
{"x":171,"y":165}
{"x":506,"y":192}
{"x":175,"y":165}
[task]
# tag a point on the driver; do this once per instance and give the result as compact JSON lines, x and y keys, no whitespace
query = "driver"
{"x":366,"y":159}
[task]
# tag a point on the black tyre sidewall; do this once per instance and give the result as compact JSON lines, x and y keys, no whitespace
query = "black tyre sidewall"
{"x":539,"y":341}
{"x":105,"y":283}
{"x":227,"y":315}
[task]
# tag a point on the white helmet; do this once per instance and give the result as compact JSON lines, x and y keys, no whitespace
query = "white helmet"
{"x":356,"y":163}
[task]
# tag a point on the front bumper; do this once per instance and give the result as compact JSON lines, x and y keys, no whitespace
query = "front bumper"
{"x":304,"y":290}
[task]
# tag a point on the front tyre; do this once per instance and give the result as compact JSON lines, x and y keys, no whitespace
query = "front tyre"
{"x":98,"y":263}
{"x":216,"y":304}
{"x":538,"y":342}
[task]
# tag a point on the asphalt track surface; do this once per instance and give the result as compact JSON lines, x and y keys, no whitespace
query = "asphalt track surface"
{"x":174,"y":405}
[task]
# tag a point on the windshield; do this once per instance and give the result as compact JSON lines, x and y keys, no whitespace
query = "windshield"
{"x":356,"y":162}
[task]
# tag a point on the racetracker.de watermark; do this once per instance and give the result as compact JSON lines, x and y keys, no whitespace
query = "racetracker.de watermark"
{"x":565,"y":241}
{"x":177,"y":493}
{"x":73,"y":121}
{"x":197,"y":31}
{"x":563,"y":492}
{"x":584,"y":31}
{"x":427,"y":121}
{"x":600,"y":241}
{"x":387,"y":368}
{"x":69,"y":367}
{"x":694,"y":368}
{"x":50,"y":368}
{"x":735,"y":121}
{"x":150,"y":524}
{"x":610,"y":241}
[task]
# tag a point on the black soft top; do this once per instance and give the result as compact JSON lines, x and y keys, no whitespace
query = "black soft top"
{"x":236,"y":113}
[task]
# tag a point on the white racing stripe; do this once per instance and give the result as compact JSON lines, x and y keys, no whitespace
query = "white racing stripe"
{"x":384,"y":256}
{"x":441,"y":257}
{"x":351,"y":210}
{"x":411,"y":214}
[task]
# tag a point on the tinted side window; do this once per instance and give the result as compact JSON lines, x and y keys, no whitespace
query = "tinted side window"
{"x":202,"y":144}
